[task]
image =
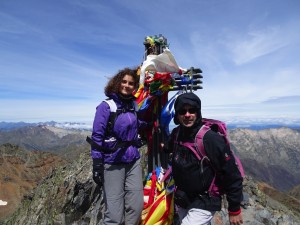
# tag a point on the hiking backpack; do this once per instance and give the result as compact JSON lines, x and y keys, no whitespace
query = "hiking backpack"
{"x":115,"y":112}
{"x":198,"y":149}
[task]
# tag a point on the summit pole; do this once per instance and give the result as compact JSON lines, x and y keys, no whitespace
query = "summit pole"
{"x":155,"y":45}
{"x":153,"y":85}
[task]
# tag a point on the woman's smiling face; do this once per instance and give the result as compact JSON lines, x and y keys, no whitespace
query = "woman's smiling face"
{"x":127,"y":85}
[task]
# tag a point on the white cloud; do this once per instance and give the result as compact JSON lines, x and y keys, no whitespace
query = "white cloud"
{"x":261,"y":41}
{"x":258,"y":43}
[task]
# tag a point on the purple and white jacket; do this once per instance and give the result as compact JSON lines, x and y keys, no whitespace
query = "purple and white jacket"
{"x":125,"y":130}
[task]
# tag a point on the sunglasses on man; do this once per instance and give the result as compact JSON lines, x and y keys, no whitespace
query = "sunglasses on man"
{"x":190,"y":110}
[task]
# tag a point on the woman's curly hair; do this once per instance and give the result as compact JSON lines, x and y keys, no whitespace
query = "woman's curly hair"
{"x":114,"y":83}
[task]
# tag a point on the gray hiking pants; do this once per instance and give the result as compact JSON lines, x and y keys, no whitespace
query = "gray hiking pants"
{"x":123,"y":193}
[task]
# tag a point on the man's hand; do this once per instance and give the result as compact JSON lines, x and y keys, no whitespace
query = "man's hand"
{"x":98,"y":170}
{"x":236,"y":219}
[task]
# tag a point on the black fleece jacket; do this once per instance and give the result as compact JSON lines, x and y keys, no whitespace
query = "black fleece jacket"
{"x":185,"y":166}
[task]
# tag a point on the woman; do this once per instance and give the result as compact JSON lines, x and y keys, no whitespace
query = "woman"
{"x":116,"y":160}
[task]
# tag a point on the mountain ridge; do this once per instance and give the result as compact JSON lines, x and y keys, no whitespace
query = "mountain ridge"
{"x":76,"y":196}
{"x":270,"y":155}
{"x":48,"y":138}
{"x":20,"y":171}
{"x":69,"y":196}
{"x":253,"y":125}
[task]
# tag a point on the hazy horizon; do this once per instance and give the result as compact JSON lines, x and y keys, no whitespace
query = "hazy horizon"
{"x":56,"y":56}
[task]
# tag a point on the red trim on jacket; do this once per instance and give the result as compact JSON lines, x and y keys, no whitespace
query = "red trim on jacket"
{"x":235,"y":213}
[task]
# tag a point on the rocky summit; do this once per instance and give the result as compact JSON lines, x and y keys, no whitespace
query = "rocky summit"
{"x":20,"y":171}
{"x":67,"y":194}
{"x":269,"y":155}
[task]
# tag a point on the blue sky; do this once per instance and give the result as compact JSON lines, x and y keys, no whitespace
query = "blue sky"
{"x":55,"y":56}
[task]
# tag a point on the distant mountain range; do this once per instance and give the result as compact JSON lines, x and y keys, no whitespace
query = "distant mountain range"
{"x":65,"y":125}
{"x":249,"y":124}
{"x":262,"y":126}
{"x":60,"y":141}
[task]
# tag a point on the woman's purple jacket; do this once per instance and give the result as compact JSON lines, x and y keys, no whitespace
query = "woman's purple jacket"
{"x":125,"y":129}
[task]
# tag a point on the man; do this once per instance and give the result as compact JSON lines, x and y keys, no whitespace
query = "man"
{"x":192,"y":177}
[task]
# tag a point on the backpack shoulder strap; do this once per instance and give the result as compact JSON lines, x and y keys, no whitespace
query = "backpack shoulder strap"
{"x":189,"y":145}
{"x":114,"y":112}
{"x":200,"y":147}
{"x":112,"y":116}
{"x":199,"y":139}
{"x":112,"y":104}
{"x":136,"y":108}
